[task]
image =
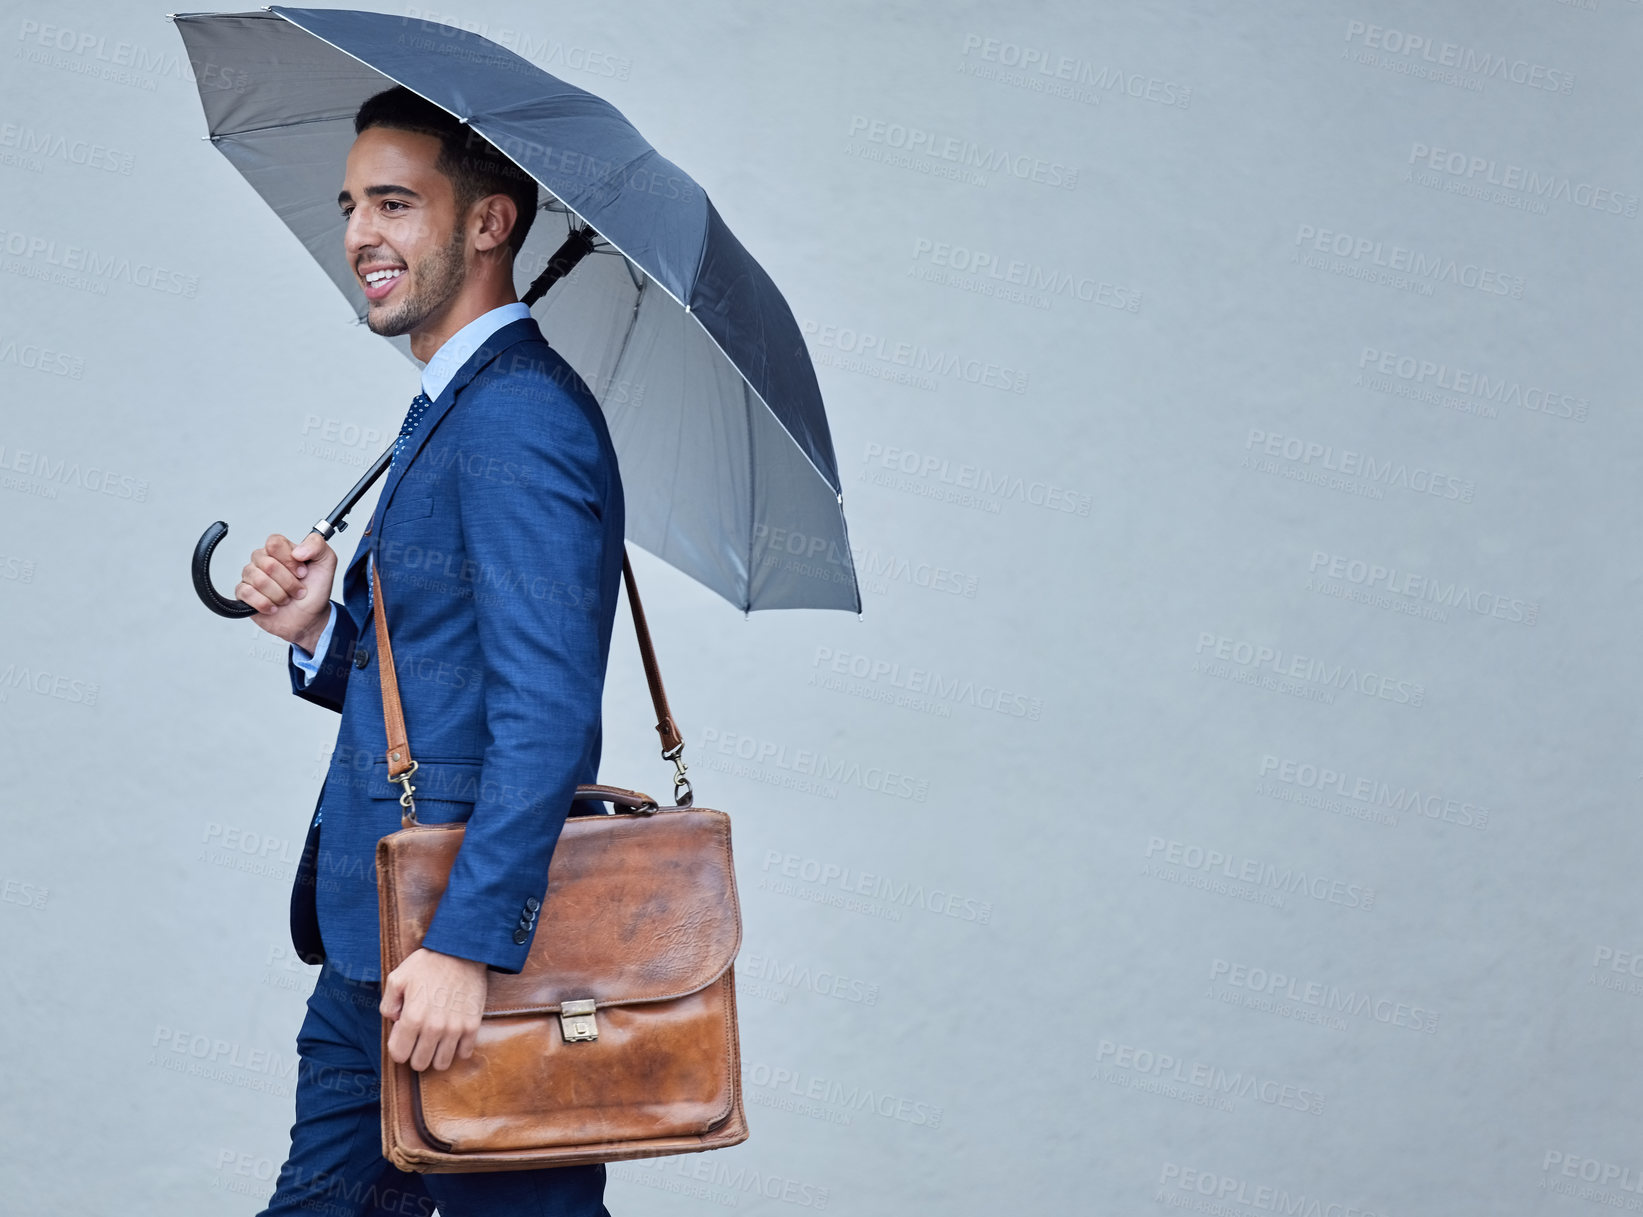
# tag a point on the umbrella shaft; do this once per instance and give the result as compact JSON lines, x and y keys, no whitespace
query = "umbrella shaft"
{"x":576,"y":247}
{"x":335,"y":520}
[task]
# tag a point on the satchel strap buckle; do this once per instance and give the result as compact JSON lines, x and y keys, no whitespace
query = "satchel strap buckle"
{"x":576,"y":1020}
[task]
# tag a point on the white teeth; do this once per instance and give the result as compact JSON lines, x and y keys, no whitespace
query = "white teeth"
{"x":382,"y":276}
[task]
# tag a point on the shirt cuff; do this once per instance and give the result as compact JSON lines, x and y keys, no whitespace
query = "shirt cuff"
{"x":309,"y":664}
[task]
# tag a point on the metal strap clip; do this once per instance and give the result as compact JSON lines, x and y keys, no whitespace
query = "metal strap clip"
{"x":681,"y":784}
{"x":406,"y":799}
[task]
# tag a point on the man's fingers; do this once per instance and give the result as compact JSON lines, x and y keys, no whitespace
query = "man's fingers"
{"x":446,"y":1051}
{"x":401,"y":1040}
{"x":427,"y":1041}
{"x":266,"y":587}
{"x":393,"y":998}
{"x":311,"y":548}
{"x":283,"y":576}
{"x":429,"y":1044}
{"x":246,"y":594}
{"x":410,"y":1042}
{"x":279,"y":548}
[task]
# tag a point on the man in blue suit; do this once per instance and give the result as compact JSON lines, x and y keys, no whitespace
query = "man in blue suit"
{"x":498,"y":541}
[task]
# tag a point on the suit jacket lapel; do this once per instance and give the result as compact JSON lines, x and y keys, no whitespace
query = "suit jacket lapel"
{"x":509,"y":335}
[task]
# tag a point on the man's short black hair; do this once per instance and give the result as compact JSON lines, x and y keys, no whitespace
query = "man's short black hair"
{"x":474,"y":165}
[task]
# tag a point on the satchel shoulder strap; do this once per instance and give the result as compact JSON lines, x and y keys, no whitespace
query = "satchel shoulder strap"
{"x":400,"y":762}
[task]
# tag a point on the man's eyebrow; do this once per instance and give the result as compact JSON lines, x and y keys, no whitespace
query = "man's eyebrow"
{"x":375,"y":192}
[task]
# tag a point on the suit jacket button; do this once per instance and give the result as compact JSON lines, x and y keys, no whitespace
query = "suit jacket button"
{"x":532,"y":903}
{"x":361,"y":657}
{"x":519,"y":936}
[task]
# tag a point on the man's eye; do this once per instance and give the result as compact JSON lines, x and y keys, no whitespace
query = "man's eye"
{"x":346,"y":212}
{"x":393,"y":203}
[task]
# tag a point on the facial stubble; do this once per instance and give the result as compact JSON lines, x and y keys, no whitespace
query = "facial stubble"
{"x":435,"y":280}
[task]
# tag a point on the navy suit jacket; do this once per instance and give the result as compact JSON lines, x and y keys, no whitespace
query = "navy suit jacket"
{"x":498,"y":539}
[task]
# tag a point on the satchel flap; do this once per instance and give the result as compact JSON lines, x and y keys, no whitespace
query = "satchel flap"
{"x":639,"y":908}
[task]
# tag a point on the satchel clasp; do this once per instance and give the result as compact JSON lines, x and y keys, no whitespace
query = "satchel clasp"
{"x":576,"y":1020}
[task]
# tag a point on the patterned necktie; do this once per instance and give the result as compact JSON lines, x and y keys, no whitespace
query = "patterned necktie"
{"x":413,"y":419}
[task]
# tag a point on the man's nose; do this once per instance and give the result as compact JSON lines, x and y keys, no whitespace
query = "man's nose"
{"x":358,"y":233}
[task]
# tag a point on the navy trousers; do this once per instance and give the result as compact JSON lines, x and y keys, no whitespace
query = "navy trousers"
{"x":336,"y":1167}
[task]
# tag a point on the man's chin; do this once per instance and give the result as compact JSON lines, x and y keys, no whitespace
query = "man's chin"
{"x":389,"y":324}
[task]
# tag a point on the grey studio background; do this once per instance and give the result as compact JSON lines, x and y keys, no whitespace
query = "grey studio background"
{"x":1227,"y":798}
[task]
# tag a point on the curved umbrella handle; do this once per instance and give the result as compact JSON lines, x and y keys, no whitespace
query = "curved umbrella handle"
{"x":334,"y":522}
{"x":200,"y":568}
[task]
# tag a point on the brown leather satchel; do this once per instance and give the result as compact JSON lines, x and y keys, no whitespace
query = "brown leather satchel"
{"x":618,"y":1037}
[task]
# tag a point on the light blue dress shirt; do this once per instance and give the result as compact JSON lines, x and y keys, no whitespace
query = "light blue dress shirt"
{"x":435,"y":376}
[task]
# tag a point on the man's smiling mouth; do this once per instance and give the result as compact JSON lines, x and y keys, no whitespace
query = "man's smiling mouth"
{"x":379,"y":282}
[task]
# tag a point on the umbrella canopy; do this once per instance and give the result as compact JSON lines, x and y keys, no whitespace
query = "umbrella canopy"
{"x":727,"y":462}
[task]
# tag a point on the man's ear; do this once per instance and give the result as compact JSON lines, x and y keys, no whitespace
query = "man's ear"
{"x":496,"y":215}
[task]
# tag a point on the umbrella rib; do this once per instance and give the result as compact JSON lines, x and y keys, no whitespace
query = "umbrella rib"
{"x":296,"y":122}
{"x":633,"y":320}
{"x":635,"y":272}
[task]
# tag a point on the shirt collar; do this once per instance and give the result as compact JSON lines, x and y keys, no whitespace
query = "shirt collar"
{"x":459,"y":346}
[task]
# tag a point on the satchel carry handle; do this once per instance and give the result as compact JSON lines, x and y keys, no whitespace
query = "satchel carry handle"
{"x":401,"y":765}
{"x":620,"y":796}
